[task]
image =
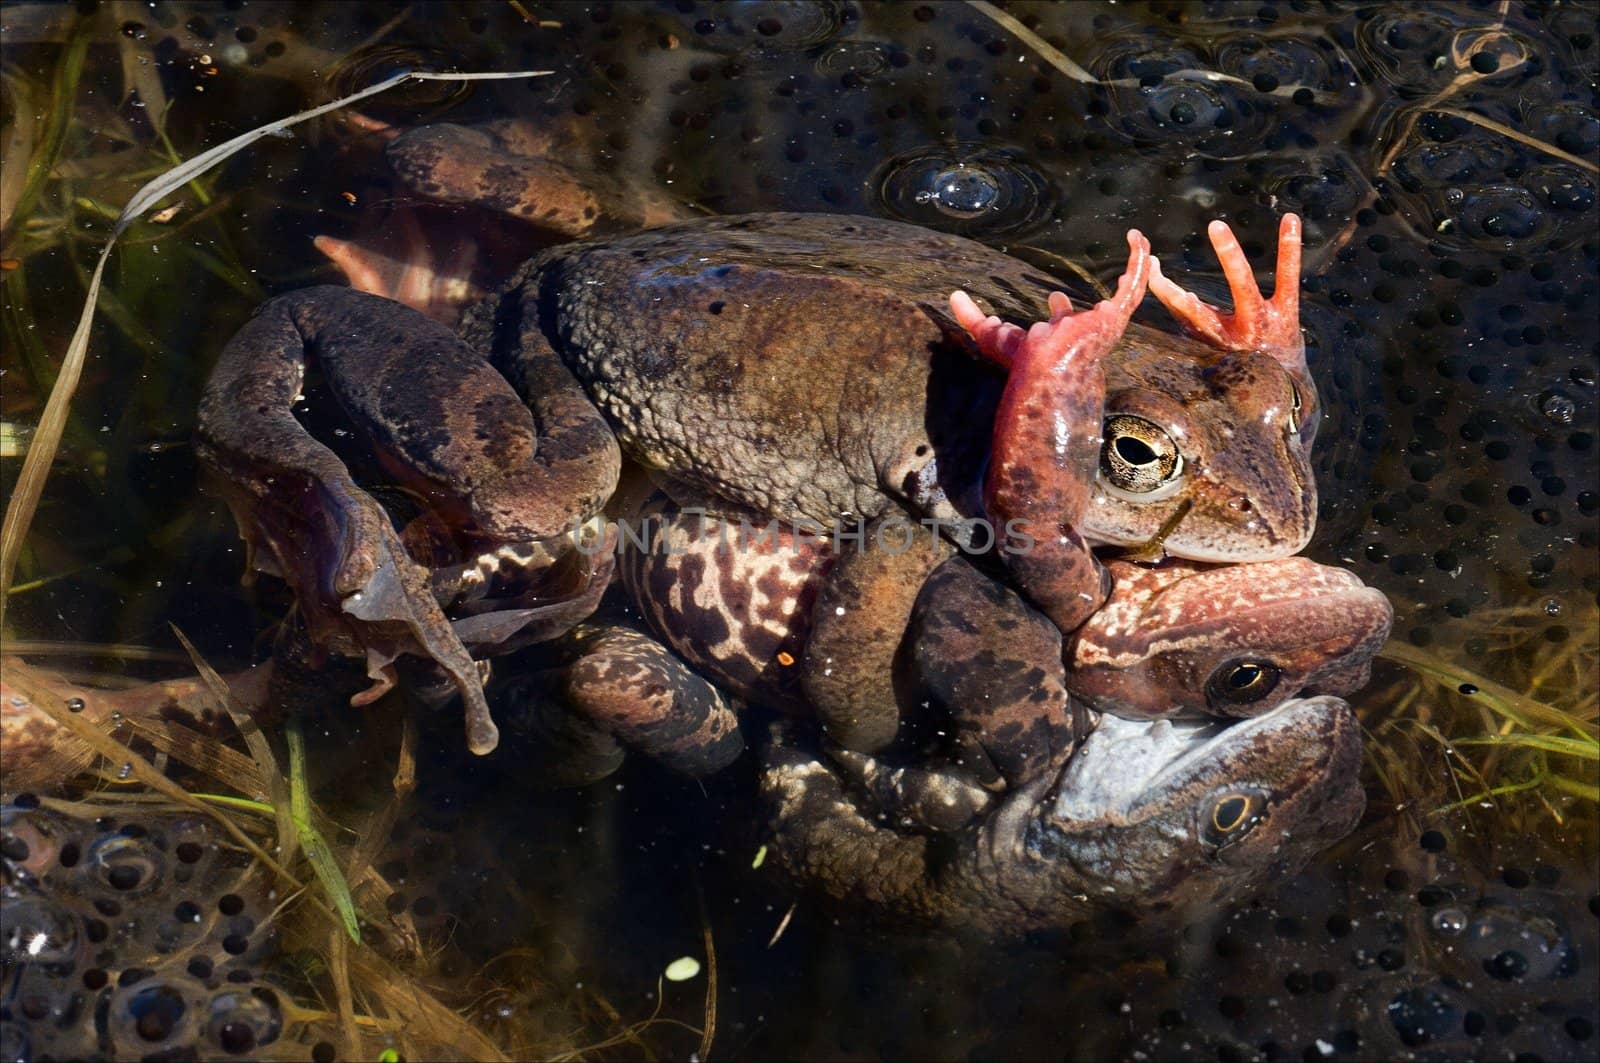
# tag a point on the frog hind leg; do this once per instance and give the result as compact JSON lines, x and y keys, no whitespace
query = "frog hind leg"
{"x":508,"y":168}
{"x":994,"y":665}
{"x":307,"y":520}
{"x":1046,"y":442}
{"x":828,"y":840}
{"x":631,"y":687}
{"x":857,"y":624}
{"x":556,"y":747}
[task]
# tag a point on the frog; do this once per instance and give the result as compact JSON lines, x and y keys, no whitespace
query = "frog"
{"x":1157,"y":818}
{"x":958,"y":652}
{"x":809,"y":367}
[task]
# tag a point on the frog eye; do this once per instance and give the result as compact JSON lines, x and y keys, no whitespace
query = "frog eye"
{"x":1296,"y":405}
{"x":1231,"y":815}
{"x":1242,"y":681}
{"x":1138,"y":456}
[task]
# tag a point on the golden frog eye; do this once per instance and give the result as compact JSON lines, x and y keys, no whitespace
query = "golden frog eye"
{"x":1232,"y":815}
{"x":1138,"y":456}
{"x":1242,"y":681}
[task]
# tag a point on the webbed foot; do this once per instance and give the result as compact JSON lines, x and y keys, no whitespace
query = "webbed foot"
{"x":1271,"y":326}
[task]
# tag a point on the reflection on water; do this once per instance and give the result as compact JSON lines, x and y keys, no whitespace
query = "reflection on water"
{"x":1444,"y":160}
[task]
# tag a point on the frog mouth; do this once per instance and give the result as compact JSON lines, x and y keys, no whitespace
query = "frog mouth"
{"x":1123,"y":766}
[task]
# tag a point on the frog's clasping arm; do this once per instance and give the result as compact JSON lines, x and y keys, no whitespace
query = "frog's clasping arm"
{"x":1045,"y":451}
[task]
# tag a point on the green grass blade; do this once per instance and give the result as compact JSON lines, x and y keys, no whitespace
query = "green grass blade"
{"x":311,"y":839}
{"x":1585,"y":749}
{"x":1587,"y":791}
{"x":244,"y":804}
{"x":63,"y":99}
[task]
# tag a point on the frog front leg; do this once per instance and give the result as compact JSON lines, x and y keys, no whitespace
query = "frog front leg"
{"x":426,"y":401}
{"x":994,"y":666}
{"x":1271,"y":326}
{"x":860,"y":617}
{"x":1047,"y":433}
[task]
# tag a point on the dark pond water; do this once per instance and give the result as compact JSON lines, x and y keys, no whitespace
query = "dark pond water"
{"x":1444,"y":159}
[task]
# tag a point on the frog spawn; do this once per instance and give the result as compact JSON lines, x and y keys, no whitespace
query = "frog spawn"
{"x":130,"y":938}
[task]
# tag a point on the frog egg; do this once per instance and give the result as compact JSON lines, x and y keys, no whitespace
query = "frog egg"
{"x":858,"y":61}
{"x":1562,"y":188}
{"x":1284,"y":64}
{"x":238,"y":1020}
{"x":1425,"y":1014}
{"x":1411,"y":47}
{"x":1570,"y":126}
{"x":155,"y":1013}
{"x":770,"y":25}
{"x":1327,"y":193}
{"x":125,"y":866}
{"x":1160,"y":94}
{"x":968,"y":189}
{"x":36,"y":931}
{"x":787,"y":25}
{"x":1517,"y":943}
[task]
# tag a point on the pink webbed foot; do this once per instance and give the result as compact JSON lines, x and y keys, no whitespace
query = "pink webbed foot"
{"x":1047,"y":341}
{"x":1271,"y":326}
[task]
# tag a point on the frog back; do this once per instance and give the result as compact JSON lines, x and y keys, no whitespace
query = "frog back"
{"x":803,"y":366}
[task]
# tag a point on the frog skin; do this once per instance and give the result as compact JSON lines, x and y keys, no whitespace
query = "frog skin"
{"x":1153,"y":817}
{"x":963,"y":653}
{"x":804,"y":366}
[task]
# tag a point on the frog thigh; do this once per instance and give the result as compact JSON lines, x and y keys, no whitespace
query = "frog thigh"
{"x":857,"y":624}
{"x":303,"y":515}
{"x":628,"y":684}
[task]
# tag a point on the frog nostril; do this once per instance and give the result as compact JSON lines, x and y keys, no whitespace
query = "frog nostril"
{"x":1242,"y":505}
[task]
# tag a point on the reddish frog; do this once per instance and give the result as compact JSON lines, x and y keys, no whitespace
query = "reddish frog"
{"x":747,"y":607}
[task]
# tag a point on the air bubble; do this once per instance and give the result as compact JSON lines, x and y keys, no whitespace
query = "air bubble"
{"x":1557,"y":407}
{"x":965,"y":191}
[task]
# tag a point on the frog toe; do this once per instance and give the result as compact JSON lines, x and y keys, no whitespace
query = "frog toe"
{"x":400,"y":262}
{"x":1086,"y":335}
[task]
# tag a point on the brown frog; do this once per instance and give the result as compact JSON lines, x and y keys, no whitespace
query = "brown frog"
{"x":962,"y":654}
{"x":1041,"y":810}
{"x":808,"y":367}
{"x":1163,"y":816}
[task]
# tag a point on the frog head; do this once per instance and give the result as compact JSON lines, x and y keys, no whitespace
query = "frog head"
{"x":1225,"y":640}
